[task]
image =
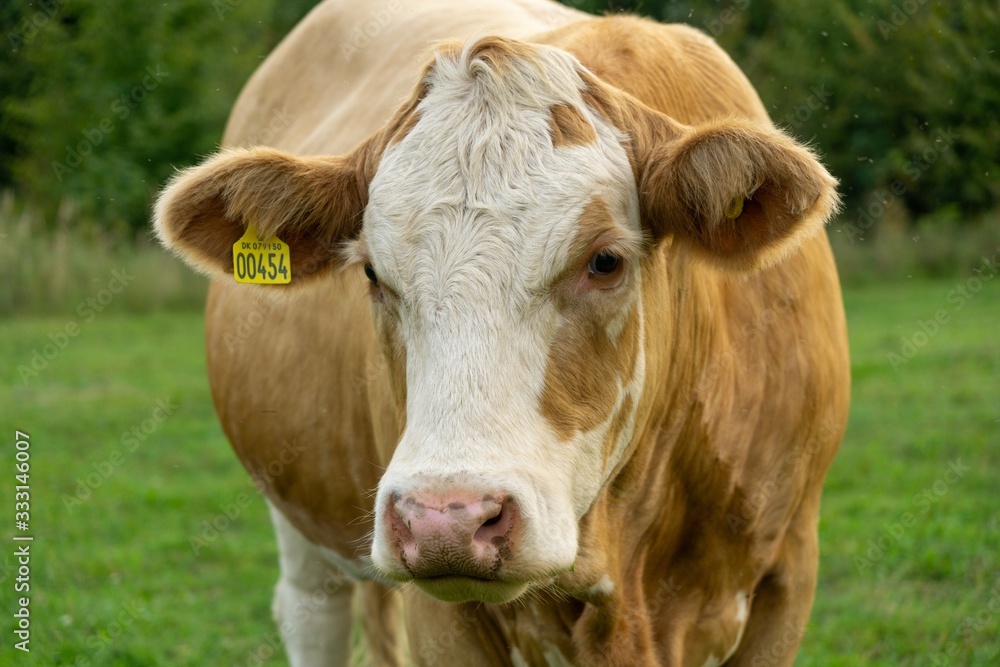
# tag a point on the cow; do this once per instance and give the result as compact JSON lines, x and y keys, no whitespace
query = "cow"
{"x":561,"y":363}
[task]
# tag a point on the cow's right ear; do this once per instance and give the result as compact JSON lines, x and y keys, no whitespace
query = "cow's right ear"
{"x":313,"y":204}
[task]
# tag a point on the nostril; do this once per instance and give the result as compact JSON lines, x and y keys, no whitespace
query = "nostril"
{"x":496,"y":519}
{"x":496,"y":526}
{"x":400,"y":518}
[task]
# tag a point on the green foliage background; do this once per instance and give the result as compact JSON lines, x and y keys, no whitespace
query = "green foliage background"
{"x":900,"y":96}
{"x":73,"y":68}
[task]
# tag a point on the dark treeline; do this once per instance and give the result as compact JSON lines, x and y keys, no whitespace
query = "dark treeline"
{"x":103,"y":99}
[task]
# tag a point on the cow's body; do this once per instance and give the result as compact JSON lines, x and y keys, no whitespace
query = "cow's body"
{"x":702,"y":545}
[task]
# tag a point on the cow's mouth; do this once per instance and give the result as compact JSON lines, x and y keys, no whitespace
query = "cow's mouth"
{"x":471,"y":589}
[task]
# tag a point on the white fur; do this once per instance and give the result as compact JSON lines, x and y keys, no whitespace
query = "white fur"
{"x":553,"y":657}
{"x":604,"y":587}
{"x":470,"y":219}
{"x":517,"y":658}
{"x":312,"y":601}
{"x":742,"y":614}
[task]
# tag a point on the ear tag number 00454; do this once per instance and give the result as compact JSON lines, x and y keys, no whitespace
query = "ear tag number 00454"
{"x":261,"y":262}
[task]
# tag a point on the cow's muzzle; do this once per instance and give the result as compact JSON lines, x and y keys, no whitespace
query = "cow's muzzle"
{"x":456,"y":544}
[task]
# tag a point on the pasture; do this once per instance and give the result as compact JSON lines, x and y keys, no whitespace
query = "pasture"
{"x":151,"y":547}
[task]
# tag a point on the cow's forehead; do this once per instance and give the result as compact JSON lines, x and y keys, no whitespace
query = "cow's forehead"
{"x":496,"y":172}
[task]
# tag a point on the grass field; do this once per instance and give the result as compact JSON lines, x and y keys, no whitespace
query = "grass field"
{"x":129,"y":465}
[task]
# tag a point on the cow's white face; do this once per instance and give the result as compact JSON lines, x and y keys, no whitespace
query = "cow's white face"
{"x":503,"y":232}
{"x":505,"y":276}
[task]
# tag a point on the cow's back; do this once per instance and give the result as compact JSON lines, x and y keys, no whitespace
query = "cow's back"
{"x":339,"y":75}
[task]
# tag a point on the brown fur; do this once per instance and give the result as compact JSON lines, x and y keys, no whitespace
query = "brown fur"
{"x":584,"y":369}
{"x":595,"y":230}
{"x":313,"y":204}
{"x":689,"y":176}
{"x":687,"y":186}
{"x":578,"y":397}
{"x":309,"y":203}
{"x":569,"y":127}
{"x":499,"y":54}
{"x":746,"y":389}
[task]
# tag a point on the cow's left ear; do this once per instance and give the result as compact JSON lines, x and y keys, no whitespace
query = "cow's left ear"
{"x":741,"y":194}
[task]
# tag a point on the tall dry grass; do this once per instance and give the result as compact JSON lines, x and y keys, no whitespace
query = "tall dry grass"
{"x":937,"y":247}
{"x":52,"y":267}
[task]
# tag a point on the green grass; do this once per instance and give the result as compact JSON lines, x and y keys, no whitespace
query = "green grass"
{"x":129,"y":542}
{"x":906,"y":426}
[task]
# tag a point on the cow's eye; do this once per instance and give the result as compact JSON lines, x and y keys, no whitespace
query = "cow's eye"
{"x":604,"y":263}
{"x":370,"y":272}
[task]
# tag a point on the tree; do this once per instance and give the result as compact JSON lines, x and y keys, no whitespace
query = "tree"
{"x":120,"y":93}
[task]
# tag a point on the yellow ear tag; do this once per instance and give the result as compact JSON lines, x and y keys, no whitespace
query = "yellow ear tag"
{"x":261,"y":262}
{"x":735,"y":208}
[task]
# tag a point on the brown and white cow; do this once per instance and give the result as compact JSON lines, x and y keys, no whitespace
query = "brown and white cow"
{"x":563,"y":353}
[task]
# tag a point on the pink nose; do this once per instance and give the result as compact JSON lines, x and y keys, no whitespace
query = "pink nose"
{"x":457,"y":534}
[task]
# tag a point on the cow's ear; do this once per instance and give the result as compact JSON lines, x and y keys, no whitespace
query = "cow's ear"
{"x":741,"y":194}
{"x":312,"y":204}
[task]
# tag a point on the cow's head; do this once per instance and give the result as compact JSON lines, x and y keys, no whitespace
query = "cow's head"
{"x":503,"y":218}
